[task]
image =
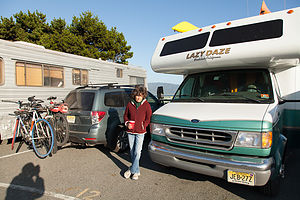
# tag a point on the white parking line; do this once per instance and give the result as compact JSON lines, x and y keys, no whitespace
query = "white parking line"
{"x":15,"y":154}
{"x":34,"y":190}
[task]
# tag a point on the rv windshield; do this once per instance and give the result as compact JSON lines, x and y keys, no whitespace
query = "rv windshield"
{"x":236,"y":86}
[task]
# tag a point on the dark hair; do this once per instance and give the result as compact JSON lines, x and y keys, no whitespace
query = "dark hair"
{"x":139,"y":90}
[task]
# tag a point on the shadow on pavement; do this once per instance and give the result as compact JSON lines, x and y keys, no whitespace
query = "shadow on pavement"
{"x":289,"y":188}
{"x":27,"y":185}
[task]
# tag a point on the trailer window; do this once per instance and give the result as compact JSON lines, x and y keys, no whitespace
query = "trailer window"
{"x":247,"y":33}
{"x":53,"y":76}
{"x":35,"y":74}
{"x":135,"y":80}
{"x":28,"y":74}
{"x":186,"y":44}
{"x":80,"y":76}
{"x":1,"y":72}
{"x":119,"y":73}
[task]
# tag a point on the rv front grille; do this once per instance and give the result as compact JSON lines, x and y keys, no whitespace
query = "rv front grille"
{"x":217,"y":139}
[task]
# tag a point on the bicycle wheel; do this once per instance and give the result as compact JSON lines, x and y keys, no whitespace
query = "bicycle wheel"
{"x":61,"y":127}
{"x":42,"y":138}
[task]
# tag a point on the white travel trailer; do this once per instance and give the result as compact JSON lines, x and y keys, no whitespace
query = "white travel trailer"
{"x":238,"y":101}
{"x":31,"y":70}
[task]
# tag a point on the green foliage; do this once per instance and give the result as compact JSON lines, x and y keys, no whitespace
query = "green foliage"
{"x":86,"y":36}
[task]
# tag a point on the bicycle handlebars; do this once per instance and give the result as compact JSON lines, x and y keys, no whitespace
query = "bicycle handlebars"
{"x":32,"y":99}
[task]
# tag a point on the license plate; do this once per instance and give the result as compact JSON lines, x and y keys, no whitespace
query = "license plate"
{"x":241,"y":177}
{"x":71,"y":119}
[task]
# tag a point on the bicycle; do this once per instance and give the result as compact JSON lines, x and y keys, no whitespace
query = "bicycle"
{"x":55,"y":114}
{"x":34,"y":130}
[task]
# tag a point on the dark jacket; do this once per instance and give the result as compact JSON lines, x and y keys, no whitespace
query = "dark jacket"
{"x":140,"y":115}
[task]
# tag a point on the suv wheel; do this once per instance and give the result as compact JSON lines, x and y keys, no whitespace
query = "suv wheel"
{"x":122,"y":140}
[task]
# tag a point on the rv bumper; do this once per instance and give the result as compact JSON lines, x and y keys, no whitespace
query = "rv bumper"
{"x":210,"y":164}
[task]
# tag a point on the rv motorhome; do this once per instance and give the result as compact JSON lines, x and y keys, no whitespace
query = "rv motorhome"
{"x":240,"y":98}
{"x":31,"y":70}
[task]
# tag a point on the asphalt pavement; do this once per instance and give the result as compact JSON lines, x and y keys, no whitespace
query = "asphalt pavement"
{"x":76,"y":172}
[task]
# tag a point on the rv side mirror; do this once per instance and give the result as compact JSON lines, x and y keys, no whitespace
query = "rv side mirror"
{"x":160,"y":92}
{"x":281,"y":101}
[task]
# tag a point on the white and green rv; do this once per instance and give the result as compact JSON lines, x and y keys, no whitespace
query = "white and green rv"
{"x":240,"y":97}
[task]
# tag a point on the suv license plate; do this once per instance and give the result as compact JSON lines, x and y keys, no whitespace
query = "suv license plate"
{"x":71,"y":119}
{"x":241,"y":177}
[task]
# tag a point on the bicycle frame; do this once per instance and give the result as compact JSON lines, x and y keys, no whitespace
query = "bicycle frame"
{"x":19,"y":123}
{"x":38,"y":133}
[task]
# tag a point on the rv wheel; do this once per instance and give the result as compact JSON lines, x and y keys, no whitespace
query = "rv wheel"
{"x":272,"y":188}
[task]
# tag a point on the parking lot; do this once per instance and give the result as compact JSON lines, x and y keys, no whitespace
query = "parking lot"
{"x":76,"y":172}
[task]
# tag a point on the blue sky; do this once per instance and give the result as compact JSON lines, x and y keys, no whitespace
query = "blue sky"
{"x":143,"y":22}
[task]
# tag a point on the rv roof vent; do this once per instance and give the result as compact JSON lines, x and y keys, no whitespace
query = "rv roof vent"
{"x":29,"y":44}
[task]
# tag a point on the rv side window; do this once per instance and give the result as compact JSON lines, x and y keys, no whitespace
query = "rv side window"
{"x":186,"y":44}
{"x":185,"y":91}
{"x":80,"y":76}
{"x":247,"y":33}
{"x":1,"y":72}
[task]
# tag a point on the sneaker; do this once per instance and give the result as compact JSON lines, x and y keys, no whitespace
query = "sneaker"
{"x":127,"y":173}
{"x":135,"y":176}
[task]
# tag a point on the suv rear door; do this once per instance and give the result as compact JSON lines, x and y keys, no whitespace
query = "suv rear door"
{"x":80,"y":106}
{"x":114,"y":102}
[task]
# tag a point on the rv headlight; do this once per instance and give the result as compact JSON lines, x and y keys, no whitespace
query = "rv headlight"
{"x":254,"y":139}
{"x":248,"y":139}
{"x":158,"y":129}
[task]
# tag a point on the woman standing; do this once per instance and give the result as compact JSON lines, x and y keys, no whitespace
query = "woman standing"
{"x":136,"y":117}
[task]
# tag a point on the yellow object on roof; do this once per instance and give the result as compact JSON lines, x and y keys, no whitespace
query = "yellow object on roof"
{"x":184,"y":27}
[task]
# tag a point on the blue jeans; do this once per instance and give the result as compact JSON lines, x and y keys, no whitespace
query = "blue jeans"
{"x":136,"y":145}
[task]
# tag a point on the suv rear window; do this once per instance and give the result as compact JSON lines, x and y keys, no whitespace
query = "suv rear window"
{"x":80,"y":100}
{"x":71,"y":100}
{"x":114,"y":99}
{"x":87,"y":100}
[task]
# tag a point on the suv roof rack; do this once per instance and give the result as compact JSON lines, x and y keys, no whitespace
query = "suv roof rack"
{"x":96,"y":85}
{"x":107,"y":85}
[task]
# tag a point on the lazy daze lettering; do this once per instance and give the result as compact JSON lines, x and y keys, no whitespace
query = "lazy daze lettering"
{"x":207,"y":54}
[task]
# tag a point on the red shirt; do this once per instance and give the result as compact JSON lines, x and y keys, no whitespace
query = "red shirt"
{"x":140,"y":115}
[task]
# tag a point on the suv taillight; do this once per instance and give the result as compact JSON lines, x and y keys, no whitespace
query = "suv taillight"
{"x":97,"y":116}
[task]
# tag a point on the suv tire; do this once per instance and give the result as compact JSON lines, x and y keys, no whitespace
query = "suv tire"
{"x":122,"y":140}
